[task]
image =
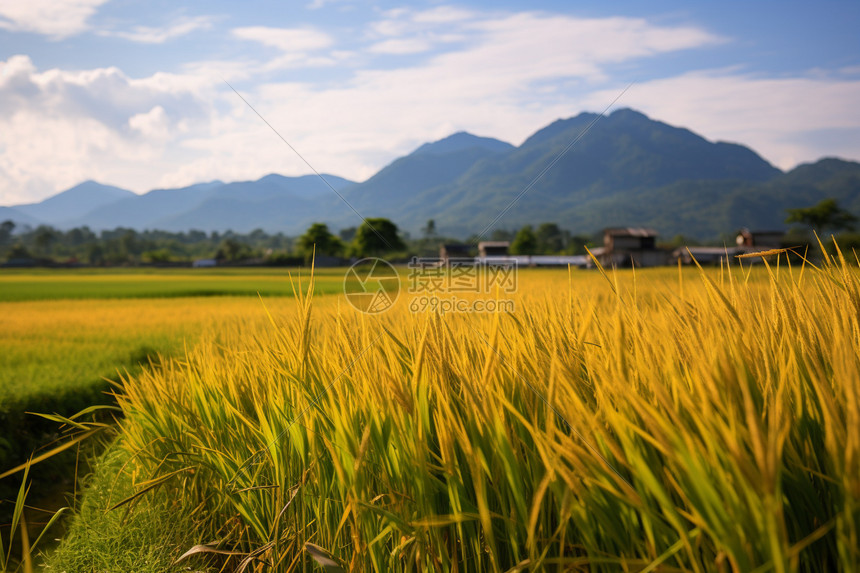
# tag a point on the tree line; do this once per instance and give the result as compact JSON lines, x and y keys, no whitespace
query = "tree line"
{"x":119,"y":246}
{"x":374,"y":237}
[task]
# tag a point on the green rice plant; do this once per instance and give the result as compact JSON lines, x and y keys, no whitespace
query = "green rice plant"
{"x":79,"y":428}
{"x":100,"y":540}
{"x":13,"y":558}
{"x":707,"y":423}
{"x":59,"y":357}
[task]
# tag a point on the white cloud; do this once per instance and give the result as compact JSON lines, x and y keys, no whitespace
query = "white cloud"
{"x":299,"y":47}
{"x":43,"y":155}
{"x":55,"y":18}
{"x":58,"y":128}
{"x":541,"y":46}
{"x":850,"y":70}
{"x":297,"y":40}
{"x":443,"y":15}
{"x":500,"y":74}
{"x":496,"y":85}
{"x":401,"y":46}
{"x":406,"y":31}
{"x":317,"y":4}
{"x":153,"y":124}
{"x":159,"y":35}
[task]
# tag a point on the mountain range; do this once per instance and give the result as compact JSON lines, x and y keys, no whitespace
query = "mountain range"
{"x":584,"y":173}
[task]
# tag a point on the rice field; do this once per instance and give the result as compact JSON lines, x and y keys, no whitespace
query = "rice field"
{"x":125,"y":283}
{"x":66,"y":335}
{"x":621,"y":421}
{"x":63,"y":333}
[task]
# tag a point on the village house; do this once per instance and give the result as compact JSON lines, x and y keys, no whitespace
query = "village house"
{"x":454,"y":251}
{"x":760,"y":240}
{"x":493,"y":249}
{"x":746,"y":242}
{"x":630,"y":246}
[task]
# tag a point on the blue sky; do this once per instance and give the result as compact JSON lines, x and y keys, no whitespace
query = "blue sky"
{"x":133,"y":93}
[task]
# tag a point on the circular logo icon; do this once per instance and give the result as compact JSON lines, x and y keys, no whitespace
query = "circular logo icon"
{"x":371,"y":285}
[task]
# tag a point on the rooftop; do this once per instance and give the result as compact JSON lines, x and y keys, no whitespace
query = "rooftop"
{"x":631,"y":232}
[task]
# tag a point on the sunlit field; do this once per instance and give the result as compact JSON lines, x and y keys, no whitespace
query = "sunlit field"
{"x":644,"y":421}
{"x":65,"y":334}
{"x":20,"y":285}
{"x":60,"y":346}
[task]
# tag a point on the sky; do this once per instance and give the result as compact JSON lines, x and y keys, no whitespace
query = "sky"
{"x":138,"y":94}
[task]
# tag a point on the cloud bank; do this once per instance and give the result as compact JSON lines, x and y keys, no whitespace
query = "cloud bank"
{"x":350,"y":106}
{"x":55,"y":18}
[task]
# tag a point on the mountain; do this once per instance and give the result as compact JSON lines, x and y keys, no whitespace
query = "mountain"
{"x":142,"y":211}
{"x":584,"y":173}
{"x":273,"y":203}
{"x":804,"y":185}
{"x":706,"y":209}
{"x":17,"y":217}
{"x":309,"y":187}
{"x":462,"y":141}
{"x":430,"y":166}
{"x":214,"y":206}
{"x":74,"y":202}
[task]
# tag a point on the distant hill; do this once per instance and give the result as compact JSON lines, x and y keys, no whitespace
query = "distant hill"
{"x":804,"y":185}
{"x":142,"y":211}
{"x":462,"y":141}
{"x":74,"y":202}
{"x":273,"y":203}
{"x":242,"y":206}
{"x":596,"y":182}
{"x":432,"y":165}
{"x":626,"y":169}
{"x":17,"y":217}
{"x":708,"y":208}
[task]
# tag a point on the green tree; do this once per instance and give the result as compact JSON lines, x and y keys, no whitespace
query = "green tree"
{"x":44,"y":237}
{"x":318,"y":239}
{"x":680,"y":241}
{"x":525,"y":243}
{"x":232,"y":250}
{"x":129,"y":244}
{"x":195,"y":236}
{"x":157,"y":256}
{"x":825,"y":215}
{"x":79,"y":236}
{"x":430,"y":229}
{"x":18,"y":251}
{"x":502,"y":235}
{"x":95,"y":253}
{"x":376,"y":237}
{"x":550,"y":239}
{"x":576,"y":244}
{"x":6,"y":228}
